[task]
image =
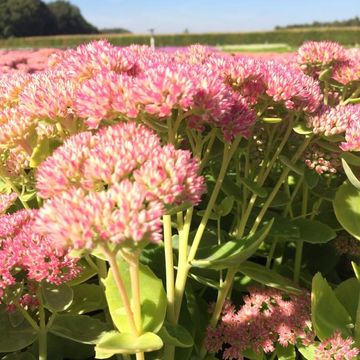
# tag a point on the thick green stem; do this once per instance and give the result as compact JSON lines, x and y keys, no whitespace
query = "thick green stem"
{"x":182,"y":262}
{"x":264,"y":173}
{"x":277,"y":186}
{"x":111,"y":257}
{"x":169,"y":266}
{"x":357,"y":325}
{"x":300,"y":242}
{"x":43,"y":330}
{"x":228,"y":153}
{"x":222,"y":294}
{"x":135,"y":292}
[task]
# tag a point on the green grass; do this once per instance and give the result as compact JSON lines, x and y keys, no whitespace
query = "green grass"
{"x":257,"y":48}
{"x":291,"y":38}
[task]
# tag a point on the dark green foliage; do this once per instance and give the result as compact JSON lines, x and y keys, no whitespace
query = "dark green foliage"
{"x":342,"y":23}
{"x":22,"y":18}
{"x":25,"y":18}
{"x":69,"y":19}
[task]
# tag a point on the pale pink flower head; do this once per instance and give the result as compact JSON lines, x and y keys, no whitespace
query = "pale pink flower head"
{"x":125,"y":150}
{"x":313,"y":55}
{"x":105,"y":96}
{"x":27,"y":257}
{"x":119,"y":151}
{"x":11,"y":86}
{"x":6,"y":200}
{"x":289,"y":86}
{"x":121,"y":215}
{"x":97,"y":56}
{"x":246,"y":76}
{"x":352,"y":134}
{"x":15,"y":126}
{"x":337,"y":348}
{"x":172,"y":176}
{"x":49,"y":95}
{"x":319,"y":160}
{"x":63,"y":170}
{"x":164,"y":88}
{"x":348,"y":72}
{"x":333,"y":120}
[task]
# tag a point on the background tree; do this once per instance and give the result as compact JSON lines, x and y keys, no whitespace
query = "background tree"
{"x":25,"y":18}
{"x":69,"y":19}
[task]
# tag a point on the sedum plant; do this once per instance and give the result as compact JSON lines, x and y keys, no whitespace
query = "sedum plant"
{"x":181,"y":205}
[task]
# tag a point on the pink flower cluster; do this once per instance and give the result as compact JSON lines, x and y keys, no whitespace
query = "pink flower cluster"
{"x":337,"y":348}
{"x":113,"y":186}
{"x":27,"y":257}
{"x":25,"y":61}
{"x":320,"y":54}
{"x":97,"y":83}
{"x":338,"y":120}
{"x":316,"y":159}
{"x":6,"y":200}
{"x":267,"y":317}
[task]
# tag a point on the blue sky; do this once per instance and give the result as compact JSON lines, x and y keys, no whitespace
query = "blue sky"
{"x":170,"y":16}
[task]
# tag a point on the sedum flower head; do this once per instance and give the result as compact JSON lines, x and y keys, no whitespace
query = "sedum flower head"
{"x":267,"y":317}
{"x":6,"y":200}
{"x":352,"y":134}
{"x":322,"y":53}
{"x":337,"y":348}
{"x":113,"y":186}
{"x":26,"y":256}
{"x":333,"y":120}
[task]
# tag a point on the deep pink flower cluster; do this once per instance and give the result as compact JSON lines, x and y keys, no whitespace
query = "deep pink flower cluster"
{"x":113,"y":186}
{"x":267,"y":317}
{"x":26,"y":256}
{"x":337,"y":348}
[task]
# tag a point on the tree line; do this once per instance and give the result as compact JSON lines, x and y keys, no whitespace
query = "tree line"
{"x":21,"y":18}
{"x":353,"y":22}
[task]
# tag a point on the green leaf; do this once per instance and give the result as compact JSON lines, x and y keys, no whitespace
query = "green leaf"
{"x":176,"y":335}
{"x":327,"y":312}
{"x":314,"y":232}
{"x":283,"y":227}
{"x":254,"y":188}
{"x":225,"y":206}
{"x":351,"y":158}
{"x":42,"y":150}
{"x":126,"y":343}
{"x":152,"y":298}
{"x":285,"y":353}
{"x":308,"y":351}
{"x":205,"y":281}
{"x":347,"y":208}
{"x":230,"y":188}
{"x":87,"y":298}
{"x":356,"y":269}
{"x":19,"y":356}
{"x":348,"y":293}
{"x":302,"y":129}
{"x":311,"y":177}
{"x":268,"y":277}
{"x":272,"y":120}
{"x":57,"y":297}
{"x":287,"y":162}
{"x":350,"y":175}
{"x":231,"y":253}
{"x":14,"y":338}
{"x":80,"y":328}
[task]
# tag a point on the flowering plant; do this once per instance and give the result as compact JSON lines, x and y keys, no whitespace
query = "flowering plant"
{"x":140,"y":188}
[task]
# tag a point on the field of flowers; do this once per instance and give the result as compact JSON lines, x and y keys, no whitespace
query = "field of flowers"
{"x":179,"y":204}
